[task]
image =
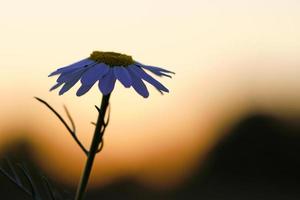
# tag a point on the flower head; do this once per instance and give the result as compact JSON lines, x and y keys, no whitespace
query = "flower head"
{"x":107,"y":67}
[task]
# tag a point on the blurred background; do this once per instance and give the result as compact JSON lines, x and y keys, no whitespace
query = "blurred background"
{"x":228,"y":129}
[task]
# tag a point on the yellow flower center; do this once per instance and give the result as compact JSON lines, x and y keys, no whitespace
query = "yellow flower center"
{"x":111,"y":58}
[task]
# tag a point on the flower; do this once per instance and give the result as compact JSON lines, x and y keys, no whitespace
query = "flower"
{"x":107,"y":67}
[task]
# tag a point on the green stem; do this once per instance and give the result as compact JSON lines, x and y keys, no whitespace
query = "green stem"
{"x":93,"y":149}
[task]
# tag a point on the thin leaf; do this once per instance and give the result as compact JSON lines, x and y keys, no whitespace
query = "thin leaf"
{"x":101,"y":146}
{"x":50,"y":189}
{"x":71,"y":130}
{"x":16,"y":176}
{"x":34,"y":188}
{"x":11,"y":179}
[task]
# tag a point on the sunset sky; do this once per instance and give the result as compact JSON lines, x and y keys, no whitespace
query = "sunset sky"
{"x":229,"y":57}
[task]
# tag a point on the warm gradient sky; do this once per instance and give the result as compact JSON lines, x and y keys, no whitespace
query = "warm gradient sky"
{"x":229,"y":56}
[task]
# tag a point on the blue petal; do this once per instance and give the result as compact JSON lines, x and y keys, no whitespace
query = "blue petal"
{"x":56,"y":86}
{"x":141,"y":73}
{"x":68,"y":68}
{"x":138,"y":85}
{"x":70,"y":83}
{"x":84,"y":88}
{"x":123,"y":76}
{"x":107,"y":83}
{"x":91,"y":76}
{"x":94,"y":73}
{"x":67,"y":76}
{"x":156,"y":70}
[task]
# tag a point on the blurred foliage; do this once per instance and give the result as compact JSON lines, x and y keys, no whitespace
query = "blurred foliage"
{"x":19,"y":168}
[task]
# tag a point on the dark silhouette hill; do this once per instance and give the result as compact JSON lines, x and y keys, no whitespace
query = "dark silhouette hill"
{"x":258,"y":159}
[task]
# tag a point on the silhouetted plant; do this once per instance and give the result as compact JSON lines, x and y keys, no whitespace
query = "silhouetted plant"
{"x":105,"y":67}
